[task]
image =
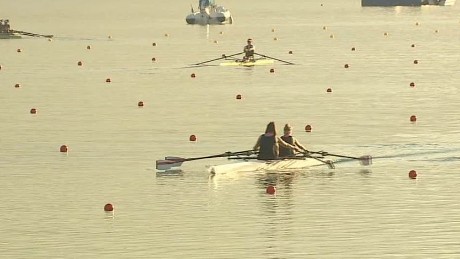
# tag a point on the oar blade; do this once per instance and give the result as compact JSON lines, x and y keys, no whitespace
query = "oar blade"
{"x":167,"y":164}
{"x":365,"y":160}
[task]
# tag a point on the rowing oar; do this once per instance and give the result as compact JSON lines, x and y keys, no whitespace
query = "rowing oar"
{"x":171,"y":161}
{"x":363,"y":160}
{"x":223,"y":57}
{"x":287,"y":62}
{"x":32,"y":34}
{"x":329,"y":163}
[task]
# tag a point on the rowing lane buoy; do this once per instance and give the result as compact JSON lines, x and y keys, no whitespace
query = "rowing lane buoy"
{"x":271,"y":189}
{"x":192,"y":138}
{"x":412,"y":174}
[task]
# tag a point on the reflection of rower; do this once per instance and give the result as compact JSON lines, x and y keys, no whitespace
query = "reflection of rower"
{"x":249,"y":51}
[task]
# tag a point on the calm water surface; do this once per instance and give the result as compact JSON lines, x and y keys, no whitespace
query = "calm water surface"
{"x":52,"y":203}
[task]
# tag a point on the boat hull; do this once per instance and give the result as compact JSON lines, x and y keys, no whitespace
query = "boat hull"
{"x":249,"y":63}
{"x":406,"y":2}
{"x":262,"y":165}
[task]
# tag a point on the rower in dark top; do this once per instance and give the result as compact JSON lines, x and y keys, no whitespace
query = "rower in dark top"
{"x":288,"y":138}
{"x":249,"y":51}
{"x":268,"y":144}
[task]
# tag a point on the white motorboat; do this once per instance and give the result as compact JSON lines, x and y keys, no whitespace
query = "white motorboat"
{"x":209,"y":13}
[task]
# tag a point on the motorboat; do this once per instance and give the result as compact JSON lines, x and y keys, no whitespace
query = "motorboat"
{"x":209,"y":13}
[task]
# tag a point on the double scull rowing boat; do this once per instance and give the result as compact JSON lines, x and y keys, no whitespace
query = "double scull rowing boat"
{"x":265,"y":165}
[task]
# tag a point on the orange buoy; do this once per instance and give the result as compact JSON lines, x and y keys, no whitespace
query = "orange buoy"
{"x":193,"y":75}
{"x":290,"y":52}
{"x":413,"y":118}
{"x":353,"y":49}
{"x":385,"y":33}
{"x":140,"y":104}
{"x":108,"y":207}
{"x":415,"y":61}
{"x":436,"y":31}
{"x":271,"y":189}
{"x":329,"y":90}
{"x":412,"y":174}
{"x":154,"y":59}
{"x":331,"y":36}
{"x":272,"y":70}
{"x":216,"y":41}
{"x":346,"y":66}
{"x":192,"y":138}
{"x":17,"y":85}
{"x":79,"y":63}
{"x":413,"y":45}
{"x":108,"y":80}
{"x":412,"y":84}
{"x":238,"y":97}
{"x":273,"y":30}
{"x":33,"y":111}
{"x":417,"y":24}
{"x":221,"y":32}
{"x":63,"y":149}
{"x":308,"y":128}
{"x":166,"y":35}
{"x":324,"y":28}
{"x":154,"y":44}
{"x":19,"y":50}
{"x":88,"y":47}
{"x":275,"y":38}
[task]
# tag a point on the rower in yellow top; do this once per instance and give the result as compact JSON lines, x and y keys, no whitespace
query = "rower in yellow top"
{"x":249,"y":50}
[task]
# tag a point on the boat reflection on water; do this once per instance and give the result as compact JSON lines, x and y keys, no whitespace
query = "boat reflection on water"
{"x":6,"y":32}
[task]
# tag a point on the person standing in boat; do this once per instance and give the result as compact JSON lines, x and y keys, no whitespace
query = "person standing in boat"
{"x":268,"y":144}
{"x":288,"y":138}
{"x":249,"y":50}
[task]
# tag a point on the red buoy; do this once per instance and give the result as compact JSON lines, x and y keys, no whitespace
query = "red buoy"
{"x":413,"y":45}
{"x":192,"y":138}
{"x":412,"y":174}
{"x":415,"y":61}
{"x":193,"y":75}
{"x":412,"y":84}
{"x":19,"y":50}
{"x":413,"y":118}
{"x":154,"y":44}
{"x":329,"y":90}
{"x":33,"y":111}
{"x":108,"y":207}
{"x":108,"y":80}
{"x":63,"y":149}
{"x":353,"y":49}
{"x":308,"y":128}
{"x":88,"y":47}
{"x":290,"y":52}
{"x":272,"y":70}
{"x":79,"y":63}
{"x":17,"y":85}
{"x":271,"y":189}
{"x":154,"y":59}
{"x":140,"y":104}
{"x":346,"y":66}
{"x":238,"y":97}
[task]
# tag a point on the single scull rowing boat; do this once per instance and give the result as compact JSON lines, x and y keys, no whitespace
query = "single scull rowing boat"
{"x":256,"y":62}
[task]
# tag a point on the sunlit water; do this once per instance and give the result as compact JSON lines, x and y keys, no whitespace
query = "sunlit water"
{"x":52,"y":203}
